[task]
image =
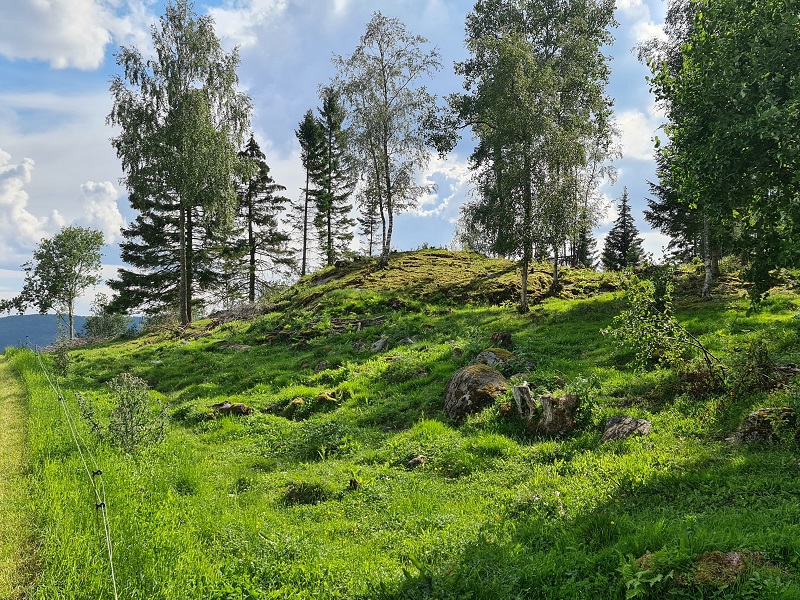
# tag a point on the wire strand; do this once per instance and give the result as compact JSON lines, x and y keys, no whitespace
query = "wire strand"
{"x":95,"y":474}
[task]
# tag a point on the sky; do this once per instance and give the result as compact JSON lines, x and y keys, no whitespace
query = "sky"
{"x":57,"y":166}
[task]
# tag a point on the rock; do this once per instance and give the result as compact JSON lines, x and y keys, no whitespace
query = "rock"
{"x":237,"y":347}
{"x":405,"y":342}
{"x":472,"y":388}
{"x":360,"y":346}
{"x":503,"y":339}
{"x":720,"y":569}
{"x":238,"y":409}
{"x":327,"y":396}
{"x":558,"y":415}
{"x":156,"y":362}
{"x":765,"y":425}
{"x":621,"y":427}
{"x":416,"y":461}
{"x":493,"y":356}
{"x":321,"y":366}
{"x":458,"y":352}
{"x":381,"y":345}
{"x":526,"y":405}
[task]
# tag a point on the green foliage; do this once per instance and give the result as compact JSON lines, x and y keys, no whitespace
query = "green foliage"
{"x":181,"y":119}
{"x":536,"y":176}
{"x":105,"y":325}
{"x":623,"y":246}
{"x":132,"y":422}
{"x":61,"y":269}
{"x":388,"y":141}
{"x":648,"y":326}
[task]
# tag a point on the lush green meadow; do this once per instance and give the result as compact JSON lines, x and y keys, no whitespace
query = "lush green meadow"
{"x":315,"y":498}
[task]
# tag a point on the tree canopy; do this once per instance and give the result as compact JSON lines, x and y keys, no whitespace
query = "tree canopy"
{"x":62,"y":268}
{"x":182,"y":119}
{"x":388,"y":108}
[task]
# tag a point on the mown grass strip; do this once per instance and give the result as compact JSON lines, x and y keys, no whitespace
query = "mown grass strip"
{"x":16,"y":548}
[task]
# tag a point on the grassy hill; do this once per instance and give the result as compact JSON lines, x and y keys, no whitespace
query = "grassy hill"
{"x":348,"y":481}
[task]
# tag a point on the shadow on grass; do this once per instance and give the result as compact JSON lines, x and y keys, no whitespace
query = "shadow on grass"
{"x":742,"y":502}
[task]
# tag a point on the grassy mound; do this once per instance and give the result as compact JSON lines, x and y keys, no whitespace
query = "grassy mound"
{"x":348,"y":481}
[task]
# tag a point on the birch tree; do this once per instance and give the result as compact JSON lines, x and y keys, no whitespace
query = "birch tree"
{"x":181,"y":120}
{"x":381,"y":82}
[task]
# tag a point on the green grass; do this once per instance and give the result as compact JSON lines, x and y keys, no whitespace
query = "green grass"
{"x":264,"y":506}
{"x":17,"y":551}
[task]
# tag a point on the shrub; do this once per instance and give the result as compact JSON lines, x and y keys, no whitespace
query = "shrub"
{"x":132,"y":422}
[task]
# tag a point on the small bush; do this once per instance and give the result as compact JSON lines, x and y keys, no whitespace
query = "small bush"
{"x":132,"y":423}
{"x":306,"y":492}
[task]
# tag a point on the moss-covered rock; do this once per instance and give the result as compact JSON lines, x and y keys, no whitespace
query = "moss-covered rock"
{"x":471,"y":389}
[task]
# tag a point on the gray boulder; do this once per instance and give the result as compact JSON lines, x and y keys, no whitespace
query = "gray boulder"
{"x":471,"y":389}
{"x":621,"y":427}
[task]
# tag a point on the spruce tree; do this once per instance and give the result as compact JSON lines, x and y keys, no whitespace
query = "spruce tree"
{"x":623,"y":246}
{"x":309,"y":135}
{"x":266,"y":247}
{"x":586,"y":248}
{"x":334,"y":181}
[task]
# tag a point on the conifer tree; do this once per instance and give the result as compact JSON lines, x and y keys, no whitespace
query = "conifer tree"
{"x":309,"y":135}
{"x":623,"y":246}
{"x":334,"y":180}
{"x":585,"y":249}
{"x":266,"y":247}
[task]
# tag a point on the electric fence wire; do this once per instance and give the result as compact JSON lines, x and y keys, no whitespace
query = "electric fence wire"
{"x":95,"y":473}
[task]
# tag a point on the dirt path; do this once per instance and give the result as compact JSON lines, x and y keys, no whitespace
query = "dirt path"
{"x":16,"y":555}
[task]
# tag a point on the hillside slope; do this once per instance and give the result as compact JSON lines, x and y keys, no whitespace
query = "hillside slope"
{"x":347,"y":479}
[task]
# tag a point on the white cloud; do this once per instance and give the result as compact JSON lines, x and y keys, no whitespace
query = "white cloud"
{"x":637,"y":131}
{"x":99,"y":201}
{"x":19,"y":229}
{"x":66,"y":33}
{"x":453,"y":184}
{"x":241,"y":21}
{"x":654,"y":243}
{"x":646,"y":30}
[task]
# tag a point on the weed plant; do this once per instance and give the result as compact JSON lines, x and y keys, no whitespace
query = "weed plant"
{"x":365,"y":490}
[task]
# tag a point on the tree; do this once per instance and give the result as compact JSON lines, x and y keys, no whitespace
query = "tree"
{"x":585,"y":251}
{"x":623,"y":246}
{"x":265,"y":247}
{"x":102,"y":324}
{"x":334,"y":180}
{"x":733,"y":129}
{"x":388,"y":109}
{"x":62,"y":268}
{"x":536,"y":101}
{"x":309,"y":135}
{"x":182,"y":120}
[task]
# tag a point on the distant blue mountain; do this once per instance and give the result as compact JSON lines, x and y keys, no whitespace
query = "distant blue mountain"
{"x":31,"y":330}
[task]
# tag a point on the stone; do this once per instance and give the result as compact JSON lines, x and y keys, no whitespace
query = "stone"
{"x":493,"y":356}
{"x":381,"y":345}
{"x":227,"y":408}
{"x":765,"y":425}
{"x":471,"y":389}
{"x":416,"y":461}
{"x":558,"y":415}
{"x":360,"y":346}
{"x":502,"y":339}
{"x":321,"y":366}
{"x":405,"y":342}
{"x":620,"y":427}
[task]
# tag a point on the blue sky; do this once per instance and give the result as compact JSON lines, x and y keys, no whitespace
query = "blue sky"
{"x":57,"y":166}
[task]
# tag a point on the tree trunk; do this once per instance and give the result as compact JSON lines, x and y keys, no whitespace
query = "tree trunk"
{"x":71,"y":311}
{"x":527,"y":241}
{"x":523,"y":295}
{"x":555,"y":267}
{"x":707,"y":261}
{"x":251,"y":245}
{"x":189,"y":263}
{"x":182,"y":259}
{"x":305,"y":227}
